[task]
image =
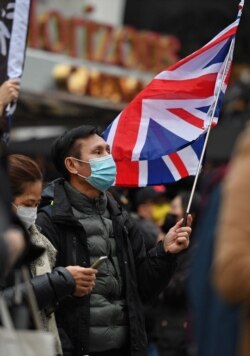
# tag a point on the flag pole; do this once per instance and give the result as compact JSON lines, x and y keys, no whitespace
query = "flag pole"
{"x":208,"y":132}
{"x":229,"y":57}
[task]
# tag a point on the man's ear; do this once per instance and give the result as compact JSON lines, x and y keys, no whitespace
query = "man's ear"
{"x":70,"y":165}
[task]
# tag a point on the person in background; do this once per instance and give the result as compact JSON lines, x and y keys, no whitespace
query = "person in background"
{"x":161,"y":205}
{"x":122,"y":197}
{"x":178,"y":207}
{"x":50,"y":285}
{"x":231,"y":265}
{"x":215,"y":321}
{"x":14,"y":241}
{"x":13,"y":238}
{"x":172,"y":326}
{"x":84,"y":222}
{"x":144,"y":203}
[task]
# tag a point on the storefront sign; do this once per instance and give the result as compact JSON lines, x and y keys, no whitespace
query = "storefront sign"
{"x":82,"y":38}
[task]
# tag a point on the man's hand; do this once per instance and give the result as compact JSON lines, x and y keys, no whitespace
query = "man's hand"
{"x":9,"y":92}
{"x":177,"y":238}
{"x":84,"y":279}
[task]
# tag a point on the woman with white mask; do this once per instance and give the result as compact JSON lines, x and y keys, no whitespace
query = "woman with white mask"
{"x":26,"y":186}
{"x":50,"y":285}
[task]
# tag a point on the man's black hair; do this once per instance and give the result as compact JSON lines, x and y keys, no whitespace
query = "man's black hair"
{"x":62,"y":146}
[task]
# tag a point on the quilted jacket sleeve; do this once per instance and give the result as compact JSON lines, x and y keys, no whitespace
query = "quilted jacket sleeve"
{"x":49,"y":288}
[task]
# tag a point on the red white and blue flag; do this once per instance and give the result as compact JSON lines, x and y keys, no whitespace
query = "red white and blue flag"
{"x":158,"y":137}
{"x":163,"y":170}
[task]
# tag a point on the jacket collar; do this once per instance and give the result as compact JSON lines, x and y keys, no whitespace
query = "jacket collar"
{"x":55,"y":195}
{"x":85,"y":204}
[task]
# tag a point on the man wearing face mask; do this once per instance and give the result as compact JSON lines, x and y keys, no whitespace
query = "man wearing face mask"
{"x":84,"y":222}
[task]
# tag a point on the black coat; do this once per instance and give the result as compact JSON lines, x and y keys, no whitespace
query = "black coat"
{"x":49,"y":288}
{"x":144,"y":274}
{"x":6,"y":216}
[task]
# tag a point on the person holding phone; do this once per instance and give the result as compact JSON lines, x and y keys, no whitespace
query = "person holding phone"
{"x":50,"y":284}
{"x":84,"y":222}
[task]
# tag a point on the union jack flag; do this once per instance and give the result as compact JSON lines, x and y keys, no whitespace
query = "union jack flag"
{"x":158,"y":137}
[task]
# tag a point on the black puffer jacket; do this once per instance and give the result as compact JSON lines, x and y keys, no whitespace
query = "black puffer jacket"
{"x":144,"y":274}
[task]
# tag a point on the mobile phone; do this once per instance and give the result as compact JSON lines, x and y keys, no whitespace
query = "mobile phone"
{"x":99,"y":261}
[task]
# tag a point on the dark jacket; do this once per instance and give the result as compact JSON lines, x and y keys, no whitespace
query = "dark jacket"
{"x":49,"y":288}
{"x":216,"y":322}
{"x":144,"y":274}
{"x":6,"y":215}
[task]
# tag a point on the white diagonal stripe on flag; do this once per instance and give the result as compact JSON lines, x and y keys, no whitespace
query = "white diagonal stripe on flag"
{"x":174,"y":171}
{"x":157,"y":110}
{"x":143,"y":173}
{"x":190,"y":158}
{"x":111,"y":135}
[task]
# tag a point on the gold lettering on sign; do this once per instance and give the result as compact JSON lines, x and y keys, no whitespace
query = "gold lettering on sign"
{"x":79,"y":37}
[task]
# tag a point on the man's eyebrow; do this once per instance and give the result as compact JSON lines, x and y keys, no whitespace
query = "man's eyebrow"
{"x":101,"y":147}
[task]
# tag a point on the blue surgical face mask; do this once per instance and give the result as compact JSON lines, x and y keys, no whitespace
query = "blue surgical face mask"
{"x":103,"y":172}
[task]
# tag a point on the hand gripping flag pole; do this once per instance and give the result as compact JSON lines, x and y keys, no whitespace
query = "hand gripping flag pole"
{"x":224,"y":76}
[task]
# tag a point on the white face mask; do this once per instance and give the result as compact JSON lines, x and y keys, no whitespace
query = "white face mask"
{"x":27,"y":215}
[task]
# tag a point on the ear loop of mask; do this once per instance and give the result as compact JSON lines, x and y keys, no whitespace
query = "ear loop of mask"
{"x":80,"y":160}
{"x":80,"y":175}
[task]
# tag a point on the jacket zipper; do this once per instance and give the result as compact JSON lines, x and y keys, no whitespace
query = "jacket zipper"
{"x":97,"y":206}
{"x":74,"y":250}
